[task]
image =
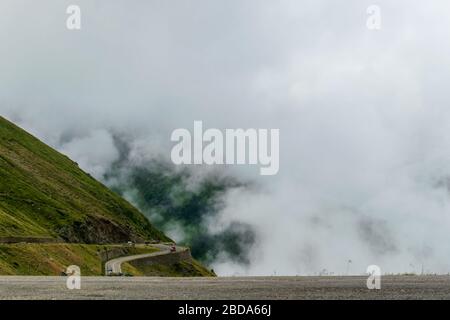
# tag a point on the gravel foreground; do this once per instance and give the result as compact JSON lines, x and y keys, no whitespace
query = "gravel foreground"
{"x":236,"y":288}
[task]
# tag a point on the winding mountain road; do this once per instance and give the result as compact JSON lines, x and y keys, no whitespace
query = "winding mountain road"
{"x":114,"y":266}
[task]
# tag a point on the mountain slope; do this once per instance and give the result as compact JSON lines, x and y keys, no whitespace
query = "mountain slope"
{"x":44,"y":194}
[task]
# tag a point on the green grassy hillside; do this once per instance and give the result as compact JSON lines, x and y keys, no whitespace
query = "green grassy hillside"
{"x":51,"y":259}
{"x":44,"y":194}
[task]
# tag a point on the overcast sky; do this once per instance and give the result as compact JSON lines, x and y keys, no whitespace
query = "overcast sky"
{"x":364,"y":116}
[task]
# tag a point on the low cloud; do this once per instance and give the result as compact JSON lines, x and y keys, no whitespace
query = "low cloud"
{"x":363,"y":118}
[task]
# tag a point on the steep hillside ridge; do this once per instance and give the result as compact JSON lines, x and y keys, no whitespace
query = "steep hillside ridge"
{"x":44,"y":194}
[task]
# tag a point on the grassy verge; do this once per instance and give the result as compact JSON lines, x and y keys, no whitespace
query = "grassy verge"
{"x":185,"y":268}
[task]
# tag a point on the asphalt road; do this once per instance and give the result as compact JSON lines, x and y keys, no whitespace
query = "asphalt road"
{"x":114,"y":265}
{"x":392,"y":287}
